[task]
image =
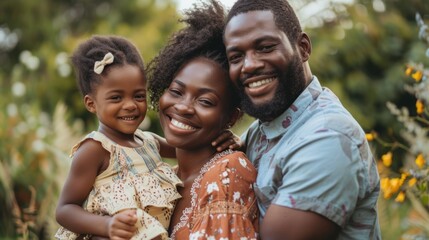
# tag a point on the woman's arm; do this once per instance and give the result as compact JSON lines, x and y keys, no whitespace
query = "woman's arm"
{"x":86,"y":165}
{"x":165,"y":150}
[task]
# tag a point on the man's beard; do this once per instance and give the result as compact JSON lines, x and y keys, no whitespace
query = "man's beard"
{"x":291,"y":84}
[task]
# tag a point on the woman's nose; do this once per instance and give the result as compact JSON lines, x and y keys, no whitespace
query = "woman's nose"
{"x":184,"y":107}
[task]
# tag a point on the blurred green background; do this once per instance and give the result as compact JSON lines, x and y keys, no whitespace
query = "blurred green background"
{"x":360,"y":50}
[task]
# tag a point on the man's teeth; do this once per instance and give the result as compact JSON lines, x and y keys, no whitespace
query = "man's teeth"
{"x":181,"y":125}
{"x":128,"y":118}
{"x":261,"y":82}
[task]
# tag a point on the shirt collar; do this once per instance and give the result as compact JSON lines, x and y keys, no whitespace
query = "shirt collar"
{"x":282,"y":123}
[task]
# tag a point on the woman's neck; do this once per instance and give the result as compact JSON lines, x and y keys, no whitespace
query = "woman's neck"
{"x":190,"y":162}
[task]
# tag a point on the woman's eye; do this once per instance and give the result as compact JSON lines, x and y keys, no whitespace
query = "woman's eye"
{"x":174,"y":92}
{"x":206,"y":102}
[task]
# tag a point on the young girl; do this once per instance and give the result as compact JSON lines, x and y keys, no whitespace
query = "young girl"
{"x":196,"y":100}
{"x":117,"y":187}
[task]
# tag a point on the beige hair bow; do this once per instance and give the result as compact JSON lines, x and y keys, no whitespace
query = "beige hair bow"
{"x":99,"y":65}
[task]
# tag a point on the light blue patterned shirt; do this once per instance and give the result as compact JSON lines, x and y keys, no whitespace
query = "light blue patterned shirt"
{"x":315,"y":157}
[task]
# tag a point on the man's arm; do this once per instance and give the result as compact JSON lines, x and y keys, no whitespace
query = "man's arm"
{"x":283,"y":223}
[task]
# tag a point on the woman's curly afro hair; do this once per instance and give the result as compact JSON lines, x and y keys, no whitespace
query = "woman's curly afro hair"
{"x":201,"y":37}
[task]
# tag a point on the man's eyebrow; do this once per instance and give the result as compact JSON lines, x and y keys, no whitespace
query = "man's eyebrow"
{"x":254,"y":42}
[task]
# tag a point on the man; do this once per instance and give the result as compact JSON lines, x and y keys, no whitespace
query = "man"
{"x":317,"y":178}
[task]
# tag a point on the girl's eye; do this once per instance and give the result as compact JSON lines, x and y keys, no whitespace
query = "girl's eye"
{"x":115,"y":98}
{"x":140,"y":97}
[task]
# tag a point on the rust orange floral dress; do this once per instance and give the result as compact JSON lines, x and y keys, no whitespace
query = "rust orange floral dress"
{"x":223,"y":202}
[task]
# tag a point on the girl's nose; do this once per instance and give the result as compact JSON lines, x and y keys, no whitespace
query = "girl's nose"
{"x":130,"y":105}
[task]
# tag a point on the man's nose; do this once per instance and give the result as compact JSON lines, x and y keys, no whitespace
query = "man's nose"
{"x":251,"y":64}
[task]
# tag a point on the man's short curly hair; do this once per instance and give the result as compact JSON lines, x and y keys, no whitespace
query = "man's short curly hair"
{"x":284,"y":15}
{"x":201,"y":37}
{"x":94,"y":49}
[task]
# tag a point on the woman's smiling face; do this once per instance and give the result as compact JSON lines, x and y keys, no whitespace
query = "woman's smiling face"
{"x":195,"y":108}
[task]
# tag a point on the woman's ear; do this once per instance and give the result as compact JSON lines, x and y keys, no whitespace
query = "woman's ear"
{"x":236,"y":114}
{"x":304,"y":46}
{"x":89,"y":103}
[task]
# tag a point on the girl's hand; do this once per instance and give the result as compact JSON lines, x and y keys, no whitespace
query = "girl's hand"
{"x":227,"y":139}
{"x":122,"y":225}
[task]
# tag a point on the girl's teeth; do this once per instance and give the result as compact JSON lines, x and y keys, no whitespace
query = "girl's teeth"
{"x":128,"y":118}
{"x":181,"y":125}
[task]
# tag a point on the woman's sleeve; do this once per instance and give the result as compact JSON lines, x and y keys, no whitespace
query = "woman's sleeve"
{"x":226,"y":207}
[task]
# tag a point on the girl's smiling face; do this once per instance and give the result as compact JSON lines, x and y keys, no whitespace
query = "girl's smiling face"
{"x":119,"y":101}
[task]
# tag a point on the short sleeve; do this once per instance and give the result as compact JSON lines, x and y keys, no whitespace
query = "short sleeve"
{"x":324,"y":175}
{"x":226,"y":205}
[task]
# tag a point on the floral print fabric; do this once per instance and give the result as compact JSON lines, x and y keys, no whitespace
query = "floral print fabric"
{"x":223,"y":204}
{"x":135,"y":179}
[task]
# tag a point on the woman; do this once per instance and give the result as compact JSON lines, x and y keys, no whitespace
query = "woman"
{"x":189,"y":85}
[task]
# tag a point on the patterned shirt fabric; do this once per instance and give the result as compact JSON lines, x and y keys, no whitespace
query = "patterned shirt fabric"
{"x":136,"y":178}
{"x":315,"y":157}
{"x":223,"y":204}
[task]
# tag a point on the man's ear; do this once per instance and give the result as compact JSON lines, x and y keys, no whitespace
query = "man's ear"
{"x":304,"y":45}
{"x":89,"y":103}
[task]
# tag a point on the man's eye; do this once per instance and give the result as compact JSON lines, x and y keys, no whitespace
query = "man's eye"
{"x":267,"y":48}
{"x":235,"y":58}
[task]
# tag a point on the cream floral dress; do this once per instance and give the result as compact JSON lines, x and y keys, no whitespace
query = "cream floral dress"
{"x":136,"y":178}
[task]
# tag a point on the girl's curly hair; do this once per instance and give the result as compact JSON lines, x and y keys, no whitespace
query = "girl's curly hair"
{"x":94,"y":49}
{"x":201,"y":37}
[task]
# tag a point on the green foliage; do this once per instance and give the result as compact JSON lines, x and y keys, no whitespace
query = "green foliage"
{"x":36,"y":40}
{"x":47,"y":32}
{"x":361,"y":54}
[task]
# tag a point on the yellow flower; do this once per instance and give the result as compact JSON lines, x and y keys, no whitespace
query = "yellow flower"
{"x":417,"y":76}
{"x":387,"y":159}
{"x":385,"y":187}
{"x":400,"y":197}
{"x":420,"y":107}
{"x":412,"y":182}
{"x":408,"y":71}
{"x":370,"y":136}
{"x":403,"y":178}
{"x":390,"y":186}
{"x":420,"y":161}
{"x":395,"y":184}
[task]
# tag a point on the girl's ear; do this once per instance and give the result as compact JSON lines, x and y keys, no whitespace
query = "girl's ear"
{"x":89,"y":103}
